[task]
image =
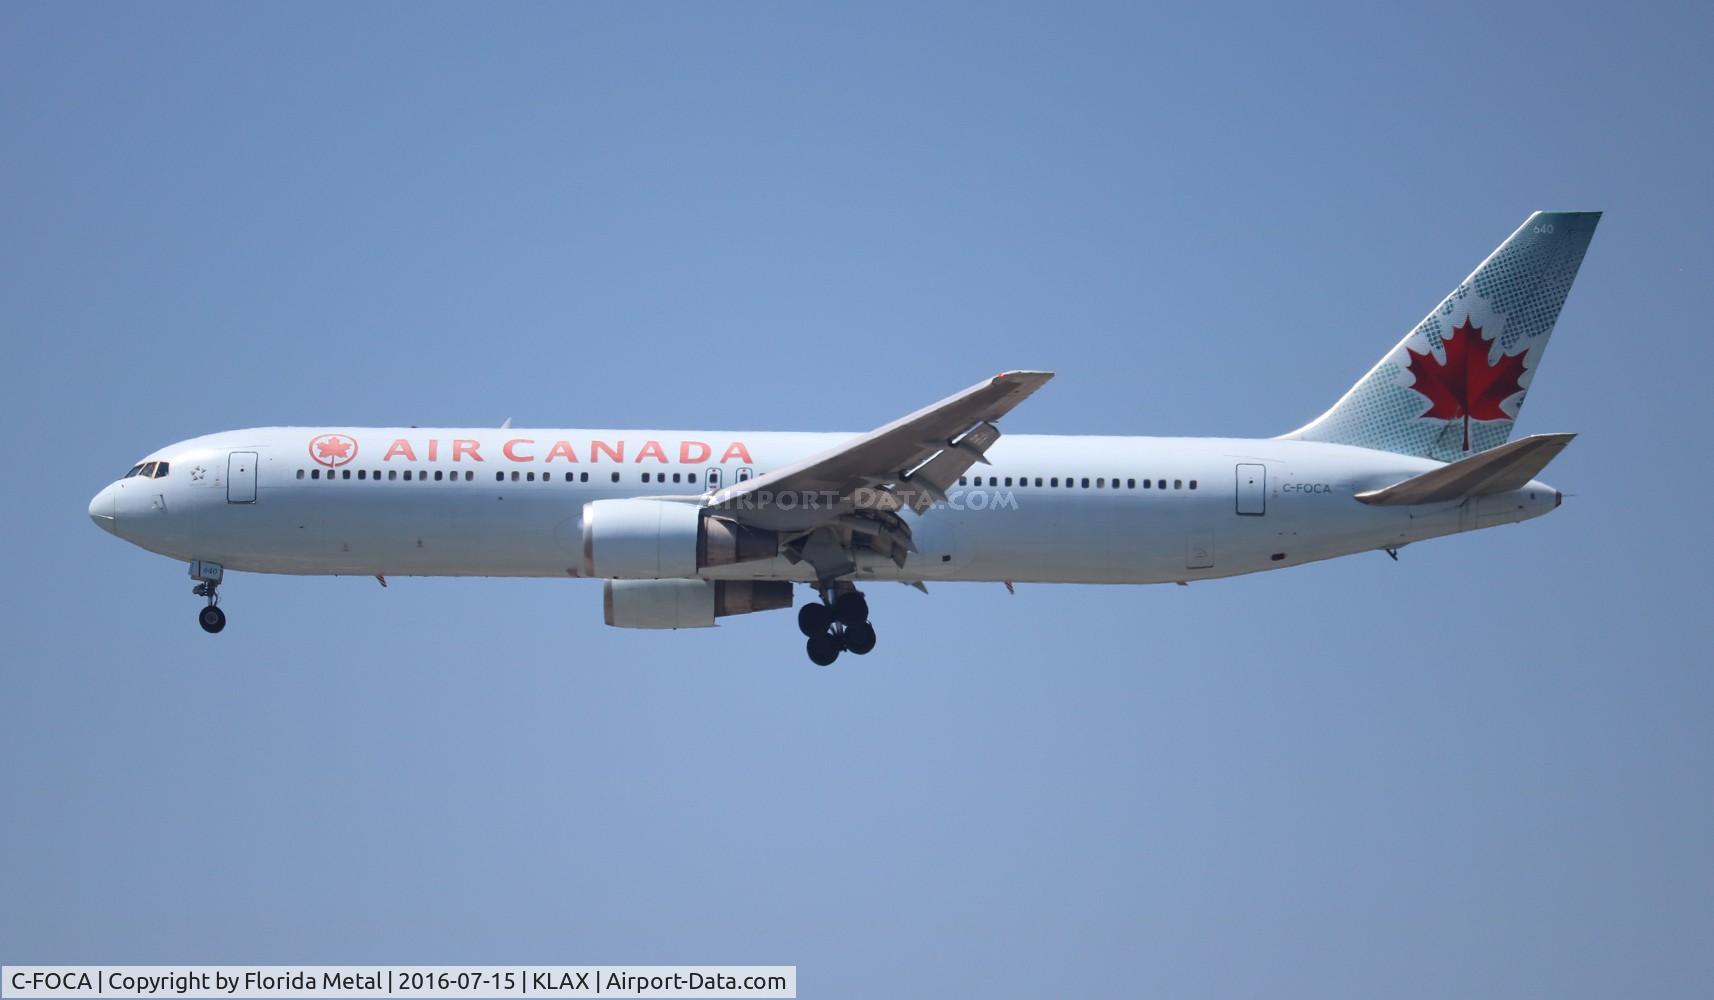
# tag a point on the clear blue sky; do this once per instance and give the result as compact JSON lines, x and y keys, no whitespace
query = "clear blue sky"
{"x":1484,"y":770}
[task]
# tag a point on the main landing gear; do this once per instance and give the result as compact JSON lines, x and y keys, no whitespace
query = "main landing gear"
{"x":207,"y":576}
{"x":839,"y":621}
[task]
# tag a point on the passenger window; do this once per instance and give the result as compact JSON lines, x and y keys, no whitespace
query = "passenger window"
{"x":362,"y":473}
{"x":1100,"y":483}
{"x":1054,"y":482}
{"x":962,"y":482}
{"x":1178,"y":484}
{"x":1130,"y":484}
{"x":439,"y":475}
{"x":499,"y":477}
{"x":300,"y":473}
{"x":584,"y":478}
{"x":1038,"y":480}
{"x":514,"y":475}
{"x":690,"y":477}
{"x":1085,"y":482}
{"x":1193,"y":484}
{"x":407,"y":475}
{"x":529,"y":477}
{"x":345,"y":473}
{"x":1008,"y":480}
{"x":675,"y":477}
{"x":615,"y":477}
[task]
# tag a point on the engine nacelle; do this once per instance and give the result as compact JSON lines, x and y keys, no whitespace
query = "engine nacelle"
{"x":688,"y":603}
{"x":645,"y":539}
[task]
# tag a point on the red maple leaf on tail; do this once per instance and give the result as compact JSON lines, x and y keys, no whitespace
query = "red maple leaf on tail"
{"x":333,"y":447}
{"x":1465,"y":384}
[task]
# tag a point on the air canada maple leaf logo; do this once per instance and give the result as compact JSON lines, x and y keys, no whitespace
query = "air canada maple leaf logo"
{"x":1466,"y":384}
{"x":333,"y":449}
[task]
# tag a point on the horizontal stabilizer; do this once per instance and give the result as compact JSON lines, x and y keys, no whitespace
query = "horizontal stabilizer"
{"x":1497,"y":470}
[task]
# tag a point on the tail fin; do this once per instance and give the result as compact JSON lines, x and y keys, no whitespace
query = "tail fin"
{"x":1454,"y":385}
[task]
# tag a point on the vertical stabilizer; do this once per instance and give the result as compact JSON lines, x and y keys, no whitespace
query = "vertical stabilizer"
{"x":1454,"y":385}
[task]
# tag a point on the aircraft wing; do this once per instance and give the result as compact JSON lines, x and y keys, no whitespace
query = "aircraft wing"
{"x":859,"y":487}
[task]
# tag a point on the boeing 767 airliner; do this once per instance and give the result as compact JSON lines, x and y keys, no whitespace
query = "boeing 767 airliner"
{"x":686,"y":527}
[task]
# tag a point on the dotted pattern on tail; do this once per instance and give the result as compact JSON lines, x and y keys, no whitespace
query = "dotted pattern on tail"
{"x":1514,"y":297}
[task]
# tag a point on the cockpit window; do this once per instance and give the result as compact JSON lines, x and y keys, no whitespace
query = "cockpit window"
{"x":148,"y":470}
{"x":161,"y":470}
{"x":134,"y":470}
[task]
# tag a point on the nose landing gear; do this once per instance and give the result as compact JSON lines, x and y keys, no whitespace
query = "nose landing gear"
{"x":208,"y":575}
{"x":838,"y":622}
{"x":211,"y":618}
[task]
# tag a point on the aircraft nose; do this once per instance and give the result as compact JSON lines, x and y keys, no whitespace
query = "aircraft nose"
{"x":103,"y":509}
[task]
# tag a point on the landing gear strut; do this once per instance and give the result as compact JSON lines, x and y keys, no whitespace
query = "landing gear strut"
{"x":839,"y":621}
{"x":207,"y":575}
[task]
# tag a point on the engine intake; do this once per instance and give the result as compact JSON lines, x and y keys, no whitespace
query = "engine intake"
{"x":646,"y":539}
{"x":688,"y":603}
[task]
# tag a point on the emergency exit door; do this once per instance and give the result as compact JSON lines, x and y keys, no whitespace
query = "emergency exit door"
{"x":1252,"y":489}
{"x":241,"y":477}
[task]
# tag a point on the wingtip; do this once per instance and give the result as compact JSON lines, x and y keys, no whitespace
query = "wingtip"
{"x":1024,"y":374}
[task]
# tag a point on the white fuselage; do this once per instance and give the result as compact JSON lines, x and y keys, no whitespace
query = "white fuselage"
{"x":470,"y":502}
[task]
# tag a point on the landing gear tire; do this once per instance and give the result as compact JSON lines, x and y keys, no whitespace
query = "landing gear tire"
{"x":813,"y":619}
{"x":859,"y":639}
{"x":824,"y":648}
{"x":212,"y":619}
{"x":851,"y":608}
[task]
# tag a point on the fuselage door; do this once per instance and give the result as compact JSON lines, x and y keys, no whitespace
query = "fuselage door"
{"x":1252,"y":489}
{"x":241,"y":477}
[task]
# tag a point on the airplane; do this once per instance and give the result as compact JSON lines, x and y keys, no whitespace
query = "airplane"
{"x":687,"y":527}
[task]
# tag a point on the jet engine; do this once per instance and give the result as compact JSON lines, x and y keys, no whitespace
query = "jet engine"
{"x":647,"y":539}
{"x":688,"y":603}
